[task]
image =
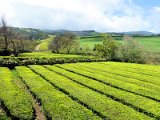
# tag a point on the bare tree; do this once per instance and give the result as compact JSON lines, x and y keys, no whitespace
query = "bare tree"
{"x":132,"y":51}
{"x":11,"y":39}
{"x":4,"y":32}
{"x":63,"y":42}
{"x":56,"y":44}
{"x":69,"y":41}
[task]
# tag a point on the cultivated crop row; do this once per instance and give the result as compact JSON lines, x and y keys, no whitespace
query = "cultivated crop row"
{"x":105,"y":106}
{"x":15,"y":102}
{"x":134,"y":69}
{"x":142,"y":77}
{"x":56,"y":104}
{"x":155,"y":68}
{"x":97,"y":68}
{"x":137,"y":102}
{"x":115,"y":83}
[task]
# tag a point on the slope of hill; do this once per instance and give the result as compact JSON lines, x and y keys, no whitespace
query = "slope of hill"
{"x":30,"y":33}
{"x":77,"y":33}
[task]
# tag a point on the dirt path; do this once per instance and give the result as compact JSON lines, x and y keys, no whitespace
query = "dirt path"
{"x":37,"y":48}
{"x":39,"y":114}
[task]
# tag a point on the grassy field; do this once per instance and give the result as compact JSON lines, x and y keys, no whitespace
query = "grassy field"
{"x":81,"y":91}
{"x":90,"y":42}
{"x":151,"y":44}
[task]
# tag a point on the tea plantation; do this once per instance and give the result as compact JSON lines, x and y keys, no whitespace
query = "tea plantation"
{"x":81,"y":91}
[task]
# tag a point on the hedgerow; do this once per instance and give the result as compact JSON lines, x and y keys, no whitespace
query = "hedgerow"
{"x":12,"y":62}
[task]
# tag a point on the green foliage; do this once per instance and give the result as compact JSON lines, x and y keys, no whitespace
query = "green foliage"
{"x":92,"y":99}
{"x":108,"y":49}
{"x":63,"y":43}
{"x":98,"y":90}
{"x":3,"y":115}
{"x":131,"y":51}
{"x":109,"y":91}
{"x":120,"y":84}
{"x":19,"y":103}
{"x":86,"y":50}
{"x":46,"y":54}
{"x":11,"y":62}
{"x":56,"y":104}
{"x":151,"y":44}
{"x":31,"y":34}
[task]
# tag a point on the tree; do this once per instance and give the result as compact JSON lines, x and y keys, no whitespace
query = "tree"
{"x":11,"y":40}
{"x":63,"y":42}
{"x":76,"y":47}
{"x":107,"y":49}
{"x":132,"y":51}
{"x":86,"y":50}
{"x":56,"y":44}
{"x":4,"y":31}
{"x":68,"y":41}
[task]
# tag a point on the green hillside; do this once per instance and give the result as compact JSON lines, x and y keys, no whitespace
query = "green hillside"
{"x":151,"y":44}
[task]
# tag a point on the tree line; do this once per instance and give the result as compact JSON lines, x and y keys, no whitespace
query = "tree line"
{"x":127,"y":51}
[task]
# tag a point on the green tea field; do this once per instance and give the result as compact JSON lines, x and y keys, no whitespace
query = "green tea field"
{"x":46,"y":54}
{"x":80,"y":91}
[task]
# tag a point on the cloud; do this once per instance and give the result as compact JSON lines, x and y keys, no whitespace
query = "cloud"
{"x":154,"y":19}
{"x":104,"y":15}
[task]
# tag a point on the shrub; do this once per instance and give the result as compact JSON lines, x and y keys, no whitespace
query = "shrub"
{"x":131,"y":51}
{"x":108,"y":49}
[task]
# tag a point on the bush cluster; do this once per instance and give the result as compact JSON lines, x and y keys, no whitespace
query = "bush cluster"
{"x":12,"y":62}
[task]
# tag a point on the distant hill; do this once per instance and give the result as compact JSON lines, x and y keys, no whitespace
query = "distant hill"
{"x":143,"y":33}
{"x":37,"y":34}
{"x":31,"y":34}
{"x":77,"y":33}
{"x":134,"y":33}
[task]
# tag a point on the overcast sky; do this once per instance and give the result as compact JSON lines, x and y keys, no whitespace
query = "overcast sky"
{"x":99,"y":15}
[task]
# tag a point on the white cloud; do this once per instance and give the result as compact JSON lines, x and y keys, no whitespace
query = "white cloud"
{"x":101,"y":15}
{"x":154,"y":19}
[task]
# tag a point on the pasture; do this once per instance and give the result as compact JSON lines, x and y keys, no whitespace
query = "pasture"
{"x":151,"y":44}
{"x":95,"y":90}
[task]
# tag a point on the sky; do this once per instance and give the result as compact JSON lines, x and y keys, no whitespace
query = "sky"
{"x":99,"y":15}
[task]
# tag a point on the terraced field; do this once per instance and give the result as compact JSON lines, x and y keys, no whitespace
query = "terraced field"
{"x":81,"y":91}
